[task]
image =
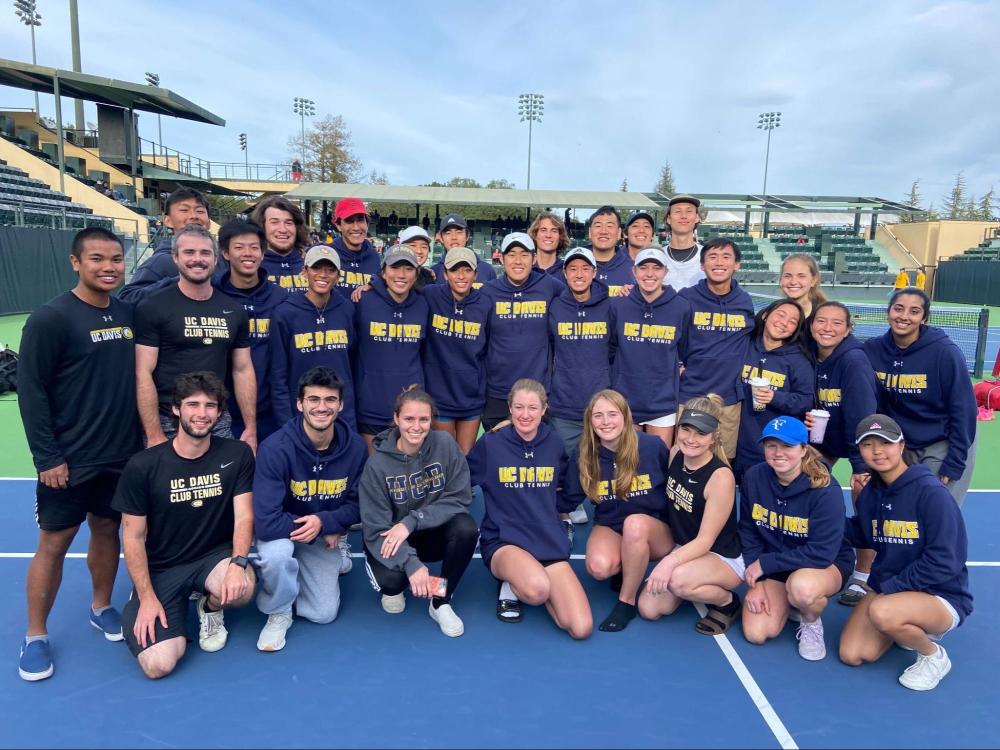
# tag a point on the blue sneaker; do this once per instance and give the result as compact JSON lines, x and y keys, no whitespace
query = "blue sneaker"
{"x":36,"y":661}
{"x":108,"y":622}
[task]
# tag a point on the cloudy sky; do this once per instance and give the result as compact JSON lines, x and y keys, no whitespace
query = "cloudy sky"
{"x":873,"y":94}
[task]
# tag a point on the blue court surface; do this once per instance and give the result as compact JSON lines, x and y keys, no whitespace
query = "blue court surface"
{"x":375,"y":680}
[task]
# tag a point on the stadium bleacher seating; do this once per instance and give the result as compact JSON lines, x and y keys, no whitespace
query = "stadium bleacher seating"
{"x":30,"y":202}
{"x":985,"y":250}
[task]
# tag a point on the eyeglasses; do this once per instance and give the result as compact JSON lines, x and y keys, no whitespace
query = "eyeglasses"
{"x":316,"y":400}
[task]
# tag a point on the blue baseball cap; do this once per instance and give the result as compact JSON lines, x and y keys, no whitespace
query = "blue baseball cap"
{"x":788,"y":430}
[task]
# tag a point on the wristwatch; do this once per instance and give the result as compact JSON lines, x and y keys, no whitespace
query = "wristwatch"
{"x":240,"y":560}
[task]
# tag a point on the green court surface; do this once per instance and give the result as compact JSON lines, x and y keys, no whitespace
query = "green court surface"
{"x":15,"y":459}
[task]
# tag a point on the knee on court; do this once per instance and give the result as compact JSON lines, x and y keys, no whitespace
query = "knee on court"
{"x":156,"y":664}
{"x":324,"y":614}
{"x":851,"y":655}
{"x":581,"y":629}
{"x":756,"y":633}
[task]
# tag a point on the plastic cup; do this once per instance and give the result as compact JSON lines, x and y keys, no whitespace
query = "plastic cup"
{"x":758,"y":383}
{"x":818,"y":430}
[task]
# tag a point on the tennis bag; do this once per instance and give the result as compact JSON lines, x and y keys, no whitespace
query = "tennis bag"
{"x":8,"y":370}
{"x":988,"y":394}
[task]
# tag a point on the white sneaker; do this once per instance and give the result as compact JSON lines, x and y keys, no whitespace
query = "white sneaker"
{"x":394,"y":605}
{"x":212,"y":633}
{"x":811,"y":643}
{"x":450,"y":623}
{"x":927,"y":671}
{"x":346,"y":563}
{"x":272,"y":635}
{"x":579,"y":515}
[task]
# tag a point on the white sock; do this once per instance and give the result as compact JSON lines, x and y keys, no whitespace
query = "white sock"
{"x":863,"y":577}
{"x":97,"y":612}
{"x":506,"y":592}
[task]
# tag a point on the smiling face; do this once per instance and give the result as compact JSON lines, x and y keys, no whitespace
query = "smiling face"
{"x":517,"y":263}
{"x":905,"y":315}
{"x":797,"y":279}
{"x":187,"y":211}
{"x":320,"y":407}
{"x":101,"y":265}
{"x":579,"y":275}
{"x":547,"y":236}
{"x":682,"y":218}
{"x":279,"y":230}
{"x":719,"y":264}
{"x":453,"y":237}
{"x":608,"y":423}
{"x":880,"y":455}
{"x":353,"y":231}
{"x":244,"y":255}
{"x":414,"y":423}
{"x":782,"y":322}
{"x":460,"y":279}
{"x":649,"y":276}
{"x":399,"y":278}
{"x":321,"y":277}
{"x":195,"y":258}
{"x":198,"y":414}
{"x":639,"y":233}
{"x":420,"y":248}
{"x":693,"y":443}
{"x":526,"y":411}
{"x":786,"y":460}
{"x":604,"y":233}
{"x":829,"y":328}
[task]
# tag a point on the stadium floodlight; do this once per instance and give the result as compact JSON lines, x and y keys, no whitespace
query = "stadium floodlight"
{"x":530,"y":108}
{"x":30,"y":17}
{"x":246,"y":155}
{"x":767,"y":121}
{"x":303,"y":108}
{"x":153,"y":79}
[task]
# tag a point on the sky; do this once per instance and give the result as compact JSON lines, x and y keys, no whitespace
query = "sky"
{"x":873,"y":95}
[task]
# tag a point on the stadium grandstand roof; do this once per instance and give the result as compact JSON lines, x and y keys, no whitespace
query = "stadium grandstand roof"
{"x":470,"y":196}
{"x":72,"y":85}
{"x":793,"y":203}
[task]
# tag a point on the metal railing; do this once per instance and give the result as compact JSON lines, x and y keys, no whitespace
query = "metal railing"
{"x":161,"y":156}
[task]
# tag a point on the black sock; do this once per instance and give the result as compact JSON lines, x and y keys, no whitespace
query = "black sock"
{"x":620,"y":617}
{"x":437,"y":601}
{"x":616,"y":582}
{"x":728,"y":609}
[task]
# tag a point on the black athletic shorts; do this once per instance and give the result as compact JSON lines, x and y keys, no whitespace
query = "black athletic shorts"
{"x":365,"y":428}
{"x":56,"y":510}
{"x":845,"y":575}
{"x":173,"y":587}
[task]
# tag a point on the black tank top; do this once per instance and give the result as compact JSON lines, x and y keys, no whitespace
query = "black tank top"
{"x":686,"y":506}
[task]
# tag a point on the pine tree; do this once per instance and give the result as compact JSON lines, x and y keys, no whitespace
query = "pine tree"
{"x":665,"y":184}
{"x":954,"y":203}
{"x":624,"y":187}
{"x":912,"y":199}
{"x":971,"y":210}
{"x":987,"y":208}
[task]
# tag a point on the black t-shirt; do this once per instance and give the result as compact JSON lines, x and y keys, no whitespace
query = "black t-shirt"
{"x":191,"y":335}
{"x":76,"y":385}
{"x":188,"y":503}
{"x":686,"y":506}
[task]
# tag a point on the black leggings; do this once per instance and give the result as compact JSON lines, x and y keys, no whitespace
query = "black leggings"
{"x":453,"y":543}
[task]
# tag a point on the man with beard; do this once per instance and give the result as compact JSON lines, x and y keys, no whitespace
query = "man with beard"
{"x":76,"y":350}
{"x":305,"y":501}
{"x":286,"y":234}
{"x":187,"y":525}
{"x":184,"y":206}
{"x":190,"y":326}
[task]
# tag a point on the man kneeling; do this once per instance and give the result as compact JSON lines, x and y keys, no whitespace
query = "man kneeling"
{"x":305,"y":499}
{"x":187,"y":523}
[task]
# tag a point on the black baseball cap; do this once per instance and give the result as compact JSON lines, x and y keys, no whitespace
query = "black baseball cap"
{"x":700,"y":420}
{"x":640,"y":214}
{"x":684,"y":199}
{"x":453,"y":220}
{"x":880,"y":425}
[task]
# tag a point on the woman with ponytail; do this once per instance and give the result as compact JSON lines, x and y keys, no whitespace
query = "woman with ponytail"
{"x":705,"y":565}
{"x":800,"y":280}
{"x":792,"y":532}
{"x":623,"y":472}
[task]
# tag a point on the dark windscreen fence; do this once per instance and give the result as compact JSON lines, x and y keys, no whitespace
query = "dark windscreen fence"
{"x":968,"y":327}
{"x":34,"y":267}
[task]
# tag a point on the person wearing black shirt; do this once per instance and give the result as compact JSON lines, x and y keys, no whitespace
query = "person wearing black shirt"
{"x":187,"y":327}
{"x":187,"y":518}
{"x":76,"y":350}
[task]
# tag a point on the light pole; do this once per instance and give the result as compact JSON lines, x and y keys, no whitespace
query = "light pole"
{"x":246,"y":156}
{"x":30,"y":17}
{"x":153,"y":79}
{"x":530,"y":107}
{"x":767,"y":121}
{"x":303,"y":108}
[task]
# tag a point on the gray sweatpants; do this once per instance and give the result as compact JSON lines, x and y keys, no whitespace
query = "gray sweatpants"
{"x":933,"y":455}
{"x":306,"y":575}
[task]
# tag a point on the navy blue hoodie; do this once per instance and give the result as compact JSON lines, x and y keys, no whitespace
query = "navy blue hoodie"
{"x":580,"y":336}
{"x":926,"y":389}
{"x":484,"y":272}
{"x":302,"y":338}
{"x":717,"y":341}
{"x":157,"y":267}
{"x":846,"y":387}
{"x":917,"y":532}
{"x":648,"y":342}
{"x":793,"y":380}
{"x":518,"y":345}
{"x":389,"y":336}
{"x":556,"y":269}
{"x":617,"y":272}
{"x":649,"y":486}
{"x":521,"y":489}
{"x":793,"y":527}
{"x":293,"y":479}
{"x":455,"y":350}
{"x":285,"y":271}
{"x":260,"y":304}
{"x":356,"y":268}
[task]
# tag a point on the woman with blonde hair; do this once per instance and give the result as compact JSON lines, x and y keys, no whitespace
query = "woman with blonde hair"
{"x":623,"y":472}
{"x":792,"y":532}
{"x":705,"y":565}
{"x":520,"y":466}
{"x":800,"y":280}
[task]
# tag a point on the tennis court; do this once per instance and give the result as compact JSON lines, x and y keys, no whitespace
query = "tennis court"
{"x":375,"y":680}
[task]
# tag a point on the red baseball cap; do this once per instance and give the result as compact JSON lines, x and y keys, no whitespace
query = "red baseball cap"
{"x":347,"y":207}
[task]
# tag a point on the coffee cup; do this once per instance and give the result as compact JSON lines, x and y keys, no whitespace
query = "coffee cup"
{"x":755,"y":383}
{"x":820,"y":418}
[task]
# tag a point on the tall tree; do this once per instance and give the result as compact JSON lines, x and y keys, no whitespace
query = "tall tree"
{"x":954,"y":202}
{"x":624,"y":187}
{"x":987,"y":206}
{"x":971,"y":210}
{"x":498,"y":183}
{"x":328,"y":154}
{"x":912,"y":199}
{"x":376,"y":178}
{"x":665,"y":184}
